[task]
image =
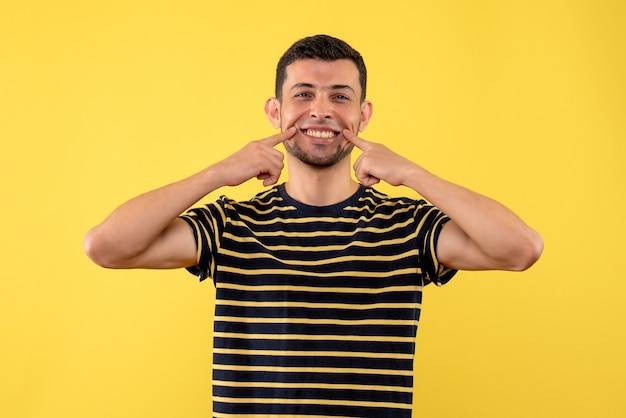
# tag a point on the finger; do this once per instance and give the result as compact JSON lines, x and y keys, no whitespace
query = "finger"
{"x":358,"y":142}
{"x":362,"y":174}
{"x":275,"y":165}
{"x":366,"y":179}
{"x":268,"y":179}
{"x":370,"y":181}
{"x":280,"y":137}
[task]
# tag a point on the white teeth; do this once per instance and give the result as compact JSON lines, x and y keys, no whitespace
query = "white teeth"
{"x":319,"y":134}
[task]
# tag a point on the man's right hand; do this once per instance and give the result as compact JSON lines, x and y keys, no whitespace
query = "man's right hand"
{"x":258,"y":159}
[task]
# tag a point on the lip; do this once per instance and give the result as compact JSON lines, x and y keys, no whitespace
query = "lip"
{"x":320,"y":134}
{"x":321,"y":137}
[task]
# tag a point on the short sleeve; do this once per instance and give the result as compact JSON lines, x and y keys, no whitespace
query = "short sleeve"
{"x":431,"y":221}
{"x":207,"y":225}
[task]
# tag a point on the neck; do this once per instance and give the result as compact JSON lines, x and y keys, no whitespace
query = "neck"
{"x":320,"y":186}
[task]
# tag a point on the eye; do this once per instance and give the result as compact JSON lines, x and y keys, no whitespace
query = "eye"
{"x":341,"y":97}
{"x":302,"y":95}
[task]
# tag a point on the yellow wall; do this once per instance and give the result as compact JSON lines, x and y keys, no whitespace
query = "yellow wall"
{"x":522,"y":100}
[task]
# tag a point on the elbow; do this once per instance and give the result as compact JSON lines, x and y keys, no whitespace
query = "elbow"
{"x":99,"y":250}
{"x":528,"y":253}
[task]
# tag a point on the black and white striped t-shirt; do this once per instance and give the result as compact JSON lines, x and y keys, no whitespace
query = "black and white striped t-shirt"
{"x":316,"y":307}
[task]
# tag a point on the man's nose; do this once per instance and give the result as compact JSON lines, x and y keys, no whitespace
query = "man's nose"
{"x":321,"y":108}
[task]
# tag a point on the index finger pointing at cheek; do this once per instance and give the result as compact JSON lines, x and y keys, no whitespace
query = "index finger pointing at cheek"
{"x":360,"y":143}
{"x":282,"y":136}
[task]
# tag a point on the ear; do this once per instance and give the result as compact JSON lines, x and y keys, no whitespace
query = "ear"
{"x":366,"y":114}
{"x":272,"y":110}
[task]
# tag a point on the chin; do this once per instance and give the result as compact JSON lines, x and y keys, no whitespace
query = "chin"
{"x":316,"y":159}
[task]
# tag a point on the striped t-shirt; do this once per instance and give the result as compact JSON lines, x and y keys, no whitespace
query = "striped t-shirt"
{"x":316,"y":307}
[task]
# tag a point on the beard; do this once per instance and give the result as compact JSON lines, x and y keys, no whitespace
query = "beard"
{"x":318,"y":161}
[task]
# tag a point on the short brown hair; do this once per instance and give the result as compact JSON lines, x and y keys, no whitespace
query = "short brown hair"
{"x":319,"y":47}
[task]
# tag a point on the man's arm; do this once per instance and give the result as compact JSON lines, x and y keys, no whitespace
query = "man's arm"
{"x":145,"y":232}
{"x":482,"y":234}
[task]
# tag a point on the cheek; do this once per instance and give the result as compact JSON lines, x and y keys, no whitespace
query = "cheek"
{"x":352,"y":121}
{"x":288,"y":118}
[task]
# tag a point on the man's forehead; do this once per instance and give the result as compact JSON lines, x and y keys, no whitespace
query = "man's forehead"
{"x":342,"y":72}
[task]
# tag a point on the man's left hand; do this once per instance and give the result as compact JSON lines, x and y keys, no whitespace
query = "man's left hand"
{"x":377,"y":162}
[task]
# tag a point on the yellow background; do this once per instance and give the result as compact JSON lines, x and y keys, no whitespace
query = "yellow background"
{"x":524,"y":101}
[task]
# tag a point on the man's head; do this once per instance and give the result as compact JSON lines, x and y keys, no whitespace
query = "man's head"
{"x":323,"y":48}
{"x":320,"y":90}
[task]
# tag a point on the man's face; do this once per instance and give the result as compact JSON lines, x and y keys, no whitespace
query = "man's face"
{"x":320,"y":98}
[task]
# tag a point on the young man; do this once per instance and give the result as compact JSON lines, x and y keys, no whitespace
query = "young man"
{"x":319,"y":279}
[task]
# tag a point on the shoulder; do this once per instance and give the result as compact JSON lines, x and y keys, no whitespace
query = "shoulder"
{"x":381,"y":202}
{"x":267,"y":203}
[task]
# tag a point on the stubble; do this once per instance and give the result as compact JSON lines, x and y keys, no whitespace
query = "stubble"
{"x":318,"y":161}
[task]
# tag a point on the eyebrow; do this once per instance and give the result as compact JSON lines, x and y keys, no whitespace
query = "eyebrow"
{"x":333,"y":87}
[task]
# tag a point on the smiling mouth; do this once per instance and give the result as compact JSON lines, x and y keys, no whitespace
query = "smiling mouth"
{"x":325,"y":134}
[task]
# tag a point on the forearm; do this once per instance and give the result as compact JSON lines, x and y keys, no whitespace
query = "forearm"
{"x":145,"y":231}
{"x":135,"y":225}
{"x":504,"y":240}
{"x":483,"y":234}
